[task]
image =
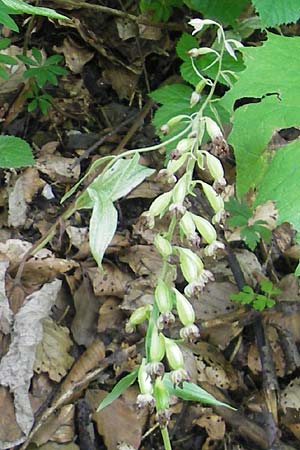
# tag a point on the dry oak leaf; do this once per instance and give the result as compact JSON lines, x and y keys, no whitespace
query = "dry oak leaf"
{"x":52,"y":352}
{"x":41,"y":270}
{"x":110,"y":281}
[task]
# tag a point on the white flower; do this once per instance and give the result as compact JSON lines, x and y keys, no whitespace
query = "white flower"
{"x":197,"y":285}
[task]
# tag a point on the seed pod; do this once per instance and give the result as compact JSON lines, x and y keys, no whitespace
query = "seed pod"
{"x":215,"y":167}
{"x":187,"y":225}
{"x":161,"y":394}
{"x":137,"y":317}
{"x":215,"y":200}
{"x":213,"y":129}
{"x":144,"y":379}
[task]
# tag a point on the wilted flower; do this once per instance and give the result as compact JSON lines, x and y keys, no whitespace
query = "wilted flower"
{"x":165,"y":320}
{"x":145,"y":401}
{"x":145,"y":398}
{"x":213,"y":247}
{"x":178,"y":376}
{"x":197,"y":286}
{"x":195,"y":98}
{"x":163,"y":417}
{"x":190,"y":332}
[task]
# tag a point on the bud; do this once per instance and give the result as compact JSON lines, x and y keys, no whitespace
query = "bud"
{"x":190,"y":264}
{"x":185,"y":310}
{"x":180,"y":191}
{"x":215,"y":167}
{"x":157,"y":345}
{"x":184,"y":145}
{"x":194,"y":52}
{"x":213,"y":129}
{"x":172,"y":123}
{"x":137,"y":317}
{"x":174,"y":354}
{"x":175,"y":164}
{"x":163,"y":297}
{"x":215,"y":200}
{"x":160,"y":204}
{"x":200,"y":86}
{"x":163,"y":246}
{"x":195,"y":98}
{"x":205,"y":228}
{"x":198,"y":24}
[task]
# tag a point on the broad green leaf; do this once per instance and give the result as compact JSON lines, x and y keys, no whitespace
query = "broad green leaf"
{"x":118,"y":389}
{"x":281,"y":183}
{"x":162,"y":9}
{"x":276,"y":93}
{"x":277,"y":12}
{"x":19,"y":6}
{"x":225,"y":11}
{"x":103,"y":224}
{"x":194,"y":393}
{"x":15,"y":152}
{"x":122,"y":177}
{"x":250,"y":236}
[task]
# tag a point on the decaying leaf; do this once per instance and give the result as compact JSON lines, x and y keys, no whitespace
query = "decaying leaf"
{"x":120,"y":421}
{"x":213,"y":424}
{"x":110,"y":315}
{"x":16,"y":367}
{"x":110,"y":281}
{"x":58,"y":428}
{"x":76,"y":56}
{"x":84,"y":325}
{"x":52,"y":352}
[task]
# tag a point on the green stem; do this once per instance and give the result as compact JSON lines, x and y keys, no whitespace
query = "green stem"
{"x":166,"y":438}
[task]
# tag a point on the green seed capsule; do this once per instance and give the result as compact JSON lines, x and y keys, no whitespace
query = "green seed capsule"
{"x":163,"y":246}
{"x":174,"y":354}
{"x":185,"y":310}
{"x":157,"y":345}
{"x":205,"y":228}
{"x":163,"y":297}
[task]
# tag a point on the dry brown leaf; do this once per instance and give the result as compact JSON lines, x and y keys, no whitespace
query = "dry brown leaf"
{"x":58,"y":428}
{"x":55,"y":446}
{"x":142,"y":259}
{"x":120,"y":421}
{"x":213,"y":367}
{"x":52,"y":352}
{"x":26,"y":186}
{"x":110,"y":281}
{"x":213,"y":424}
{"x":38,"y":271}
{"x":140,"y":292}
{"x":84,"y":325}
{"x":59,"y":169}
{"x":15,"y":249}
{"x":127,"y":29}
{"x":110,"y":315}
{"x":76,"y":55}
{"x":290,"y":396}
{"x":16,"y":367}
{"x":123,"y":81}
{"x":88,"y":361}
{"x":215,"y":301}
{"x":9,"y":429}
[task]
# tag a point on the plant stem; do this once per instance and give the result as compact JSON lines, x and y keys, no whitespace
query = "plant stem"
{"x":166,"y":438}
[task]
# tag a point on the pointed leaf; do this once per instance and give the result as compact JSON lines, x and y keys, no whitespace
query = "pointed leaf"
{"x":118,"y":389}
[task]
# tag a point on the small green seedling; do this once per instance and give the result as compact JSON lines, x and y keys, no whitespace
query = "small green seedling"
{"x":259,"y":302}
{"x":240,"y":214}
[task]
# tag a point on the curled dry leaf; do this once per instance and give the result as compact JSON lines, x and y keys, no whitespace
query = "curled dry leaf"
{"x":52,"y":352}
{"x":15,"y":249}
{"x":16,"y":367}
{"x":76,"y":56}
{"x":39,"y":271}
{"x":110,"y":315}
{"x":59,"y":169}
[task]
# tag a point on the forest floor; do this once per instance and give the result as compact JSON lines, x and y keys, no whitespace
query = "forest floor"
{"x":63,"y":342}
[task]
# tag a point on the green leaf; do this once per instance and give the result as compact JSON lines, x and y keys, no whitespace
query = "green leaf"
{"x":267,"y":286}
{"x":4,"y":43}
{"x":6,"y":59}
{"x":250,"y":236}
{"x":297,"y":270}
{"x":277,"y":106}
{"x":277,"y":12}
{"x":103,"y":223}
{"x":122,"y":177}
{"x":15,"y":152}
{"x":162,"y":9}
{"x":245,"y":296}
{"x":19,"y":6}
{"x":6,"y":20}
{"x":194,"y":393}
{"x":239,"y":212}
{"x":225,"y":11}
{"x":281,"y":183}
{"x":118,"y":389}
